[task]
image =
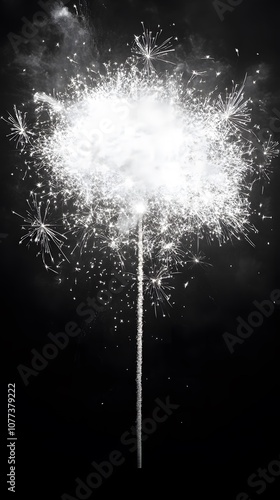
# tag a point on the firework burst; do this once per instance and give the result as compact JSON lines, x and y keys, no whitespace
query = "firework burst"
{"x":140,"y":140}
{"x":141,"y":162}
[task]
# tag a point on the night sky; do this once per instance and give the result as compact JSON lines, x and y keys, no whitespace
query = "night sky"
{"x":73,"y":413}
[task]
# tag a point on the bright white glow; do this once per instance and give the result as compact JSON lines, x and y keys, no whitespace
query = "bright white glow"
{"x":132,"y":143}
{"x":140,"y":208}
{"x":137,"y":138}
{"x":135,"y":144}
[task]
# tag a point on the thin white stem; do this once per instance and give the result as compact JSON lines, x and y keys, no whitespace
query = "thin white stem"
{"x":140,"y":313}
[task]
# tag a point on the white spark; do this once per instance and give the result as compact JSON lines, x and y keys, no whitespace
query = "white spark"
{"x":19,"y":129}
{"x":198,"y":259}
{"x":157,"y":286}
{"x":41,"y":232}
{"x":146,"y":48}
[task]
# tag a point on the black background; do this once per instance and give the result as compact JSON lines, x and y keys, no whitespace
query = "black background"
{"x":228,"y":422}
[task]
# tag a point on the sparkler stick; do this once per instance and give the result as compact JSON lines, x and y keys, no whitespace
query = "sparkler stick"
{"x":140,"y":314}
{"x":144,"y":160}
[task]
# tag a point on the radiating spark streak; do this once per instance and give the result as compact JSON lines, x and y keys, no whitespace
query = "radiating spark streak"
{"x":157,"y":287}
{"x":234,"y":109}
{"x":40,"y":232}
{"x":147,"y":49}
{"x":198,"y":259}
{"x":19,"y":129}
{"x":114,"y":244}
{"x":270,"y":151}
{"x":170,"y":252}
